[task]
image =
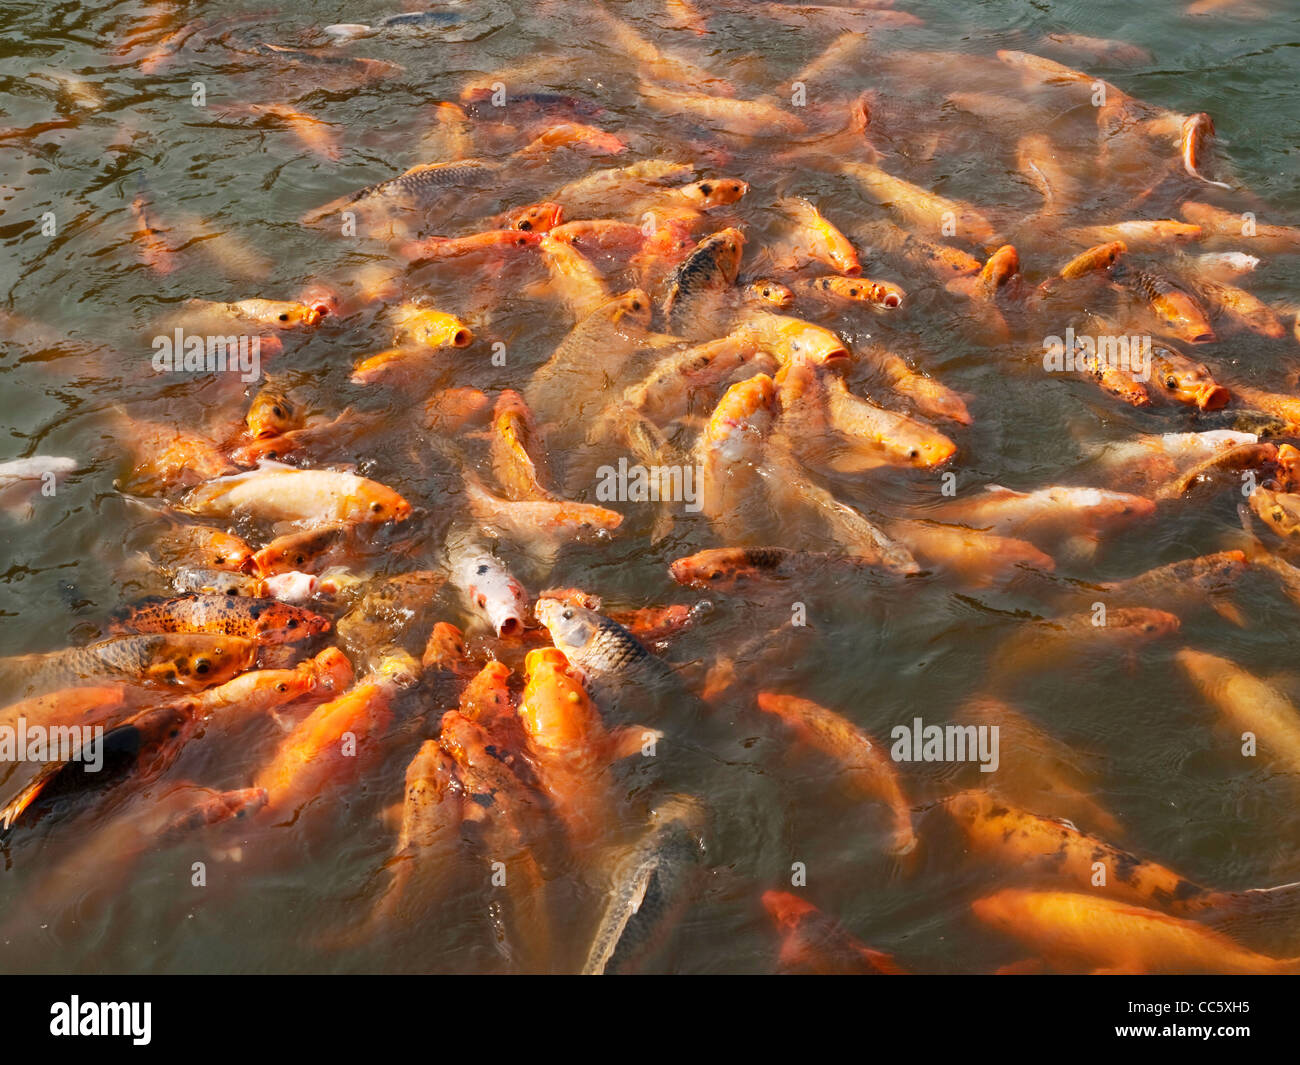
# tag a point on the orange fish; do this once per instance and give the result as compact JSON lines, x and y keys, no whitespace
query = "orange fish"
{"x":866,"y":765}
{"x":818,"y":944}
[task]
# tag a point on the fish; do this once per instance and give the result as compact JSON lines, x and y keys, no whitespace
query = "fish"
{"x":332,"y":744}
{"x":867,"y":770}
{"x":678,"y":379}
{"x":942,"y":260}
{"x":695,"y":285}
{"x":513,"y":820}
{"x":1243,"y":308}
{"x":185,"y":660}
{"x":1185,"y":380}
{"x":816,"y":943}
{"x":1097,"y":259}
{"x":856,"y":290}
{"x":1242,"y":228}
{"x":730,"y":451}
{"x":416,"y":189}
{"x":773,"y":293}
{"x":977,"y":559}
{"x":1045,"y":644}
{"x":649,"y":884}
{"x":540,"y":524}
{"x":1048,"y":849}
{"x":817,"y":239}
{"x":747,"y":571}
{"x":792,"y":339}
{"x":1085,"y":932}
{"x":281,"y":493}
{"x":206,"y":580}
{"x":1196,"y":132}
{"x":931,"y":213}
{"x":203,"y":545}
{"x":280,"y":314}
{"x":263,"y":620}
{"x":1136,"y":235}
{"x":487,"y":585}
{"x":1247,"y":704}
{"x":317,"y":135}
{"x":23,"y":480}
{"x":431,"y":328}
{"x":430,"y":249}
{"x":570,"y":746}
{"x":1046,"y":516}
{"x":1186,"y":584}
{"x":1178,"y":310}
{"x":428,"y":841}
{"x":1038,"y":770}
{"x":272,"y":413}
{"x":573,"y":275}
{"x":155,"y":250}
{"x":743,"y":118}
{"x":608,"y":657}
{"x":310,"y":549}
{"x":446,"y":651}
{"x":518,"y":459}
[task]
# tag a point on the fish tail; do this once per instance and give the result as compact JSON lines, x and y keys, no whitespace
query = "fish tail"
{"x":1259,"y":915}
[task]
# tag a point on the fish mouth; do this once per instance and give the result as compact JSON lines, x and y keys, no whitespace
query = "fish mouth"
{"x":1212,"y":397}
{"x":509,"y":627}
{"x":892,"y":299}
{"x":462,"y":338}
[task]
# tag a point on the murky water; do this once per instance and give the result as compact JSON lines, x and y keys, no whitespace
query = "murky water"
{"x":881,"y":652}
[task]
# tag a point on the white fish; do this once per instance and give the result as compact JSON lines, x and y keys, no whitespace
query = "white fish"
{"x":22,"y":479}
{"x":487,"y":585}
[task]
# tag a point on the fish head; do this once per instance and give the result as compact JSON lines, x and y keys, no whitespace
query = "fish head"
{"x":1145,"y":623}
{"x":383,"y":504}
{"x":331,"y":671}
{"x":291,"y":586}
{"x":633,"y":307}
{"x":272,"y":413}
{"x":746,"y":407}
{"x":725,"y":248}
{"x":767,"y":291}
{"x":555,"y":708}
{"x":223,"y":550}
{"x":1280,"y":511}
{"x":322,"y":299}
{"x":707,"y":569}
{"x":714,"y":192}
{"x":803,"y":340}
{"x":446,"y":647}
{"x":571,"y":627}
{"x":535,"y":218}
{"x":786,"y":908}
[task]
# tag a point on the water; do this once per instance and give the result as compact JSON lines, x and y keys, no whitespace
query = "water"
{"x":1153,"y":751}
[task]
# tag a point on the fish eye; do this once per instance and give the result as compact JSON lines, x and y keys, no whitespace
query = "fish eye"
{"x":913,"y":454}
{"x":202,"y":666}
{"x":282,"y":687}
{"x":301,"y":560}
{"x":567,"y":615}
{"x":636,"y":305}
{"x":482,"y":569}
{"x":706,"y":189}
{"x":1171,"y":382}
{"x":277,"y":412}
{"x":293,"y":623}
{"x":376,"y":508}
{"x":525,"y":226}
{"x":284,"y":316}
